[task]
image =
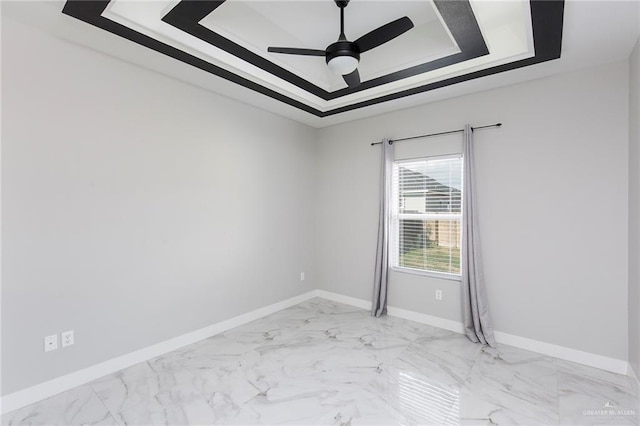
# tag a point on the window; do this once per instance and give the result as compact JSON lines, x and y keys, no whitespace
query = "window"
{"x":427,"y":215}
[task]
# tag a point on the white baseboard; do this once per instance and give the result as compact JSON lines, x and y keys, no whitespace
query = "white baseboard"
{"x":393,"y":311}
{"x":44,"y":390}
{"x":347,"y":300}
{"x":562,"y":352}
{"x":634,"y":377}
{"x":592,"y":360}
{"x":444,"y":323}
{"x":55,"y":386}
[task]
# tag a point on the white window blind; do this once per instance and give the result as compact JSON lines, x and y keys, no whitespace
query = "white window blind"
{"x":426,"y":214}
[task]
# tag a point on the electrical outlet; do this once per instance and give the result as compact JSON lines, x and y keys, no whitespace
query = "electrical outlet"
{"x":51,"y":343}
{"x":301,"y":276}
{"x":438,"y":294}
{"x":67,"y":338}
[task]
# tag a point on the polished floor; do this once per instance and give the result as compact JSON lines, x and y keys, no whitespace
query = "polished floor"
{"x":326,"y":363}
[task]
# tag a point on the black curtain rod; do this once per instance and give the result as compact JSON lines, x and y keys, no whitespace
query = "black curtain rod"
{"x":438,"y":134}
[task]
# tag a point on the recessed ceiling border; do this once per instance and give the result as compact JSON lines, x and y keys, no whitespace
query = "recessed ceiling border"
{"x":457,"y":15}
{"x":546,"y":17}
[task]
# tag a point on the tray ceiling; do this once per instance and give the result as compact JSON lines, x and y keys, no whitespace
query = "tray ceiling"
{"x":452,"y":41}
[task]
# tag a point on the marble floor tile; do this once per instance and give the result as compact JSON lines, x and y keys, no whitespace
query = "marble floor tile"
{"x":588,"y":396}
{"x":148,"y":393}
{"x":214,"y":352}
{"x":324,"y":363}
{"x":421,"y":385}
{"x":79,"y":406}
{"x":509,"y":386}
{"x":403,"y":394}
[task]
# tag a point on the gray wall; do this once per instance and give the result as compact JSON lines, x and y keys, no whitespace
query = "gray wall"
{"x":552,"y":191}
{"x":137,"y":208}
{"x":634,"y":209}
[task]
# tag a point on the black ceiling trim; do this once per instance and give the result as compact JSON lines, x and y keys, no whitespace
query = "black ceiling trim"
{"x":457,"y":15}
{"x":186,"y":16}
{"x":546,"y":17}
{"x":90,"y":11}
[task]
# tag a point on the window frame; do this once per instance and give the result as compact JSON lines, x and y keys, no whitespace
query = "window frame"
{"x":395,"y":220}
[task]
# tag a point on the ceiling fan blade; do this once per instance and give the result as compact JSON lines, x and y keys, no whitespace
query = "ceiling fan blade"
{"x":384,"y":34}
{"x":294,"y":51}
{"x":353,"y":79}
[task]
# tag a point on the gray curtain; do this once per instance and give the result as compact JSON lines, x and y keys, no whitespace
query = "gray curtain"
{"x":381,"y":279}
{"x":475,"y":308}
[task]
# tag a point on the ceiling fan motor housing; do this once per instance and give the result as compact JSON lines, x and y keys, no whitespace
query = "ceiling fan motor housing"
{"x":342,"y":48}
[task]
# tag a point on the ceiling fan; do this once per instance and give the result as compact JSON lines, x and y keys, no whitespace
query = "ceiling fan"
{"x":343,"y":56}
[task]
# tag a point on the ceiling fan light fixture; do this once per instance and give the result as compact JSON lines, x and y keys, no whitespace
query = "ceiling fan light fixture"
{"x":343,"y":65}
{"x":342,"y":57}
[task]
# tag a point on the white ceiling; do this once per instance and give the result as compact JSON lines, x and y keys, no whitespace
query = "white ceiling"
{"x":594,"y":32}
